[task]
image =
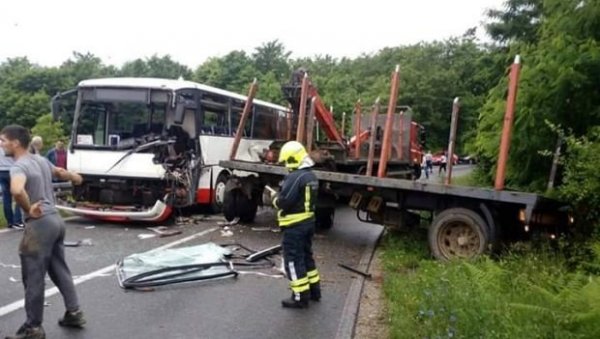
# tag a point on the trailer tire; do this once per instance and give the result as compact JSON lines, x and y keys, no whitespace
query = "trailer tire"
{"x":324,"y":218}
{"x":458,"y":233}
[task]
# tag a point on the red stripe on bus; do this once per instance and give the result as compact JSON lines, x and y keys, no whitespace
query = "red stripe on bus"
{"x":204,"y":196}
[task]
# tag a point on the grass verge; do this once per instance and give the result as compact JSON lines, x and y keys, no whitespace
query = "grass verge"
{"x":529,"y":292}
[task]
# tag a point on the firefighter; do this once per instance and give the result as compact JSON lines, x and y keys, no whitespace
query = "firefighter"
{"x":296,"y":217}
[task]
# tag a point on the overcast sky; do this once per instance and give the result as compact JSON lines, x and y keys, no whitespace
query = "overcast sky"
{"x":48,"y":31}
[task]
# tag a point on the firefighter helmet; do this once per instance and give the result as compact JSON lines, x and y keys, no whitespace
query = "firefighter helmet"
{"x":291,"y":154}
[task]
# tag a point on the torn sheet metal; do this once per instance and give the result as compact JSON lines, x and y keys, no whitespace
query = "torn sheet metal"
{"x":174,"y":265}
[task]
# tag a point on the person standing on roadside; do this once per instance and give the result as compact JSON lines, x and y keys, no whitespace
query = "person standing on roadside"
{"x":443,"y":162}
{"x":429,"y":162}
{"x":13,"y":217}
{"x":295,"y":205}
{"x":58,"y":154}
{"x":36,"y":144}
{"x":41,"y":249}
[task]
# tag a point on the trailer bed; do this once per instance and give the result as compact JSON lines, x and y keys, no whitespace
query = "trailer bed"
{"x":530,"y":201}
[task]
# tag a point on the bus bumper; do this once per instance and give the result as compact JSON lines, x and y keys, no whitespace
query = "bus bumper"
{"x":157,"y":213}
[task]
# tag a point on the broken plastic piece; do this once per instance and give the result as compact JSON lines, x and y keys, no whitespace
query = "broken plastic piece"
{"x":164,"y":231}
{"x":264,"y":253}
{"x":364,"y":274}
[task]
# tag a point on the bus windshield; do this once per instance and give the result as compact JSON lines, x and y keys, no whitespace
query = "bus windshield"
{"x":118,"y":124}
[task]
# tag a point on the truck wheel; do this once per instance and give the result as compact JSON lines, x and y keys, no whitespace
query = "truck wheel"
{"x":324,"y":218}
{"x":247,"y":208}
{"x":218,"y":197}
{"x":229,"y":205}
{"x":458,"y":233}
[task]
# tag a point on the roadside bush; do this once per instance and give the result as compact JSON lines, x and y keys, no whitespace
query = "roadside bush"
{"x":581,"y":181}
{"x":527,"y":293}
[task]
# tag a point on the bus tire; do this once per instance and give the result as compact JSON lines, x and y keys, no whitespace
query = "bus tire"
{"x":218,"y":198}
{"x":324,"y":218}
{"x":458,"y":233}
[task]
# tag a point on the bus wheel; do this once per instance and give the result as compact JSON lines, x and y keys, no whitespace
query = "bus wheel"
{"x":219,"y":193}
{"x":324,"y":217}
{"x":458,"y":233}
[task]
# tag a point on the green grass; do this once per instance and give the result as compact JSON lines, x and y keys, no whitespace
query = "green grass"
{"x":3,"y":222}
{"x":528,"y":292}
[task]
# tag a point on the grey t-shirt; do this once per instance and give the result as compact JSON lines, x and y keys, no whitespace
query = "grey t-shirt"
{"x":38,"y":171}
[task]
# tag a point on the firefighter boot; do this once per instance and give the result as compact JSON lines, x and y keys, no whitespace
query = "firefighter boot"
{"x":315,"y":291}
{"x":294,"y":303}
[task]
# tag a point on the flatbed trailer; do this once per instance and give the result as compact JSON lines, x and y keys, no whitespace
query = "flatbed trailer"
{"x":464,"y":222}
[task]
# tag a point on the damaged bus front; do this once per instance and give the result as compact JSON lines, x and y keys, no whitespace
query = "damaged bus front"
{"x":138,"y":142}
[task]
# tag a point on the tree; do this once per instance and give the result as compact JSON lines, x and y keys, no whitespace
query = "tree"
{"x":272,"y":57}
{"x":559,"y":83}
{"x":50,"y":131}
{"x":520,"y":20}
{"x":156,"y":67}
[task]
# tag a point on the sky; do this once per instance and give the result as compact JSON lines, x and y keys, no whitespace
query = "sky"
{"x":48,"y":32}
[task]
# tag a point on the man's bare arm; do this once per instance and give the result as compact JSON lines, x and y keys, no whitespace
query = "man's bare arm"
{"x":17,"y":189}
{"x":63,"y":174}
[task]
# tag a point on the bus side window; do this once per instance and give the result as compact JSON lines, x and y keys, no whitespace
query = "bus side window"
{"x":265,"y":123}
{"x":215,"y":123}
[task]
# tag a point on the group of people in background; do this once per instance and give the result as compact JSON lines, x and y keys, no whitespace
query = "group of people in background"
{"x":427,"y":164}
{"x":57,"y":156}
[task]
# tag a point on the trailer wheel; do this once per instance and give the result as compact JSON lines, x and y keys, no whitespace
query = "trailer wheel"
{"x":458,"y":233}
{"x":324,"y":217}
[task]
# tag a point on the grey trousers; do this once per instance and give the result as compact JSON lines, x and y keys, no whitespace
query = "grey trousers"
{"x":42,"y":250}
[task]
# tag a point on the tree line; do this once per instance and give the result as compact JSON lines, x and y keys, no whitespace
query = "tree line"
{"x":558,"y":95}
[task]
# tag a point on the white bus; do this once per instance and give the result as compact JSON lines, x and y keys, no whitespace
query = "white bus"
{"x":147,"y":146}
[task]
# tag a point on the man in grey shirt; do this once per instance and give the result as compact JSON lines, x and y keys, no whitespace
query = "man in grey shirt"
{"x":41,"y":249}
{"x":14,"y":220}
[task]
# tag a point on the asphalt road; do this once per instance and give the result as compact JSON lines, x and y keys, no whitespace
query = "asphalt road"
{"x":244,"y":307}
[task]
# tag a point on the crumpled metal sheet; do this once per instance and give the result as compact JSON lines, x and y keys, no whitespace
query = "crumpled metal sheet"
{"x":141,"y":263}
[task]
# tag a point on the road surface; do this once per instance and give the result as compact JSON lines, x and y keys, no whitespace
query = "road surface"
{"x":245,"y":307}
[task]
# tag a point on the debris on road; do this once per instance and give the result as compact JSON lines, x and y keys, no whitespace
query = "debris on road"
{"x":186,"y":264}
{"x":235,"y":221}
{"x":11,"y":279}
{"x":264,"y":253}
{"x":83,"y":242}
{"x":174,"y":265}
{"x":91,"y":227}
{"x":226,"y":232}
{"x":146,"y":236}
{"x":364,"y":274}
{"x":164,"y":231}
{"x":3,"y":265}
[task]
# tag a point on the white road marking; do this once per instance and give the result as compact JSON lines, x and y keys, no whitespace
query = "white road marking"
{"x":4,"y":310}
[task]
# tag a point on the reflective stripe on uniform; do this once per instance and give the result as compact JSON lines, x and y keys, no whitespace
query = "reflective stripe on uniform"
{"x":306,"y":198}
{"x":300,"y":285}
{"x":294,"y":218}
{"x":313,"y":276}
